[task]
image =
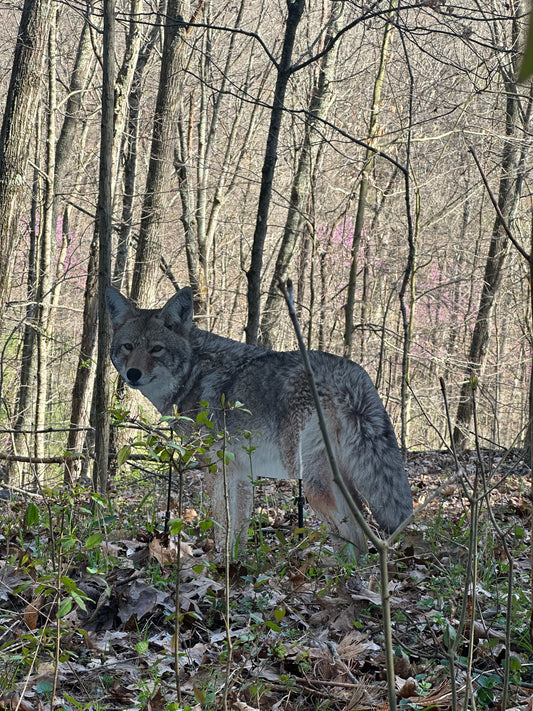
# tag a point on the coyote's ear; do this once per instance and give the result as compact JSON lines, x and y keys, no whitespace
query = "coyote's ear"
{"x":179,"y":309}
{"x":120,"y":308}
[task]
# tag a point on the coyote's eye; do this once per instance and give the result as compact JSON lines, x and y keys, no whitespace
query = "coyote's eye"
{"x":156,"y":349}
{"x":127,"y":346}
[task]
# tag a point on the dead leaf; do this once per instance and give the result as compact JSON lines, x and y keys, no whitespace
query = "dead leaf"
{"x":156,"y":703}
{"x":438,"y":699}
{"x":190,"y":515}
{"x":408,"y":688}
{"x":482,"y":631}
{"x":241,"y":706}
{"x":402,"y":665}
{"x":168,"y":555}
{"x":13,"y":701}
{"x":120,"y":693}
{"x":31,"y":613}
{"x":142,"y":599}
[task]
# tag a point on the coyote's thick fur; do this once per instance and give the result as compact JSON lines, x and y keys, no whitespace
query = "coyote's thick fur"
{"x":176,"y":365}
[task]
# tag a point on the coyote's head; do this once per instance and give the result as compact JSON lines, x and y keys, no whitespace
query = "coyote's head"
{"x":151,"y":347}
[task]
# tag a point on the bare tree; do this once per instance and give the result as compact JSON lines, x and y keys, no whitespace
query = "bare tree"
{"x":364,"y":182}
{"x":514,"y":154}
{"x":148,"y":255}
{"x":46,"y":239}
{"x":130,"y":148}
{"x":203,"y":192}
{"x":284,"y":71}
{"x":100,"y":404}
{"x":17,"y":128}
{"x":301,"y":185}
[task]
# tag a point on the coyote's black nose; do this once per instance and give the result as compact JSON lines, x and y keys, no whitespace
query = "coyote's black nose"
{"x":133,"y":375}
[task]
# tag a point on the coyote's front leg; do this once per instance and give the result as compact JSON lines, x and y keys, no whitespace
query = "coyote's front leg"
{"x":231,"y":494}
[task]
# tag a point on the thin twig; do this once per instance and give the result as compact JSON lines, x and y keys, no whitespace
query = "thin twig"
{"x":227,"y":557}
{"x":510,"y":572}
{"x":381,"y":545}
{"x":42,"y":460}
{"x":497,"y":208}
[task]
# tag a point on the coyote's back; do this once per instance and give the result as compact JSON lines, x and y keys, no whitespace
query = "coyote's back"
{"x":176,"y":365}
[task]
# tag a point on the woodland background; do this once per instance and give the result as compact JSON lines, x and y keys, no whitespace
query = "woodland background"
{"x":329,"y":142}
{"x":352,"y":147}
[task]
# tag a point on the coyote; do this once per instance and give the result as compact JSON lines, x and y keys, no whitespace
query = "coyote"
{"x":177,"y":366}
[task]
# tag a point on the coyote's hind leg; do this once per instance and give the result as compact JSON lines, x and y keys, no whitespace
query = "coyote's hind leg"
{"x":326,"y":499}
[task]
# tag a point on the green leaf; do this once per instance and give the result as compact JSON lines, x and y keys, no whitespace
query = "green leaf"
{"x":519,"y":532}
{"x":123,"y":454}
{"x":279,"y":613}
{"x":93,"y":541}
{"x":203,"y":419}
{"x":449,"y":635}
{"x":176,"y":526}
{"x":515,"y":664}
{"x":44,"y":687}
{"x":230,"y":456}
{"x":487,"y":682}
{"x":141,"y":647}
{"x":199,"y":695}
{"x":98,"y":499}
{"x":273,"y":626}
{"x":32,"y":515}
{"x":65,"y":607}
{"x":79,"y":600}
{"x":68,"y":583}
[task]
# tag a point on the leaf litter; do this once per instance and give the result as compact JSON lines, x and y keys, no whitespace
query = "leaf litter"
{"x":305,"y":633}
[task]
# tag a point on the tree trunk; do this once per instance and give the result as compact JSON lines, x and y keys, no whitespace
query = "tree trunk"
{"x":363,"y":185}
{"x":296,"y":8}
{"x":100,"y":405}
{"x":66,"y":142}
{"x":46,"y":246}
{"x":301,"y":185}
{"x":17,"y":127}
{"x":24,"y":408}
{"x":511,"y":178}
{"x":130,"y":158}
{"x":128,"y":81}
{"x":148,"y":255}
{"x":82,"y":382}
{"x":200,"y":214}
{"x":125,"y":79}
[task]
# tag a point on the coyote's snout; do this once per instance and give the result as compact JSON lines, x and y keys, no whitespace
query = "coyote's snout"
{"x":174,"y":364}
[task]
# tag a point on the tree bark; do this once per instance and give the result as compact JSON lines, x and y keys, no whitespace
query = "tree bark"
{"x":100,"y":405}
{"x":24,"y":407}
{"x":66,"y":142}
{"x":84,"y":370}
{"x":124,"y":87}
{"x":301,"y":185}
{"x":46,"y":240}
{"x":148,"y":256}
{"x":130,"y":158}
{"x":510,"y":185}
{"x":363,"y":185}
{"x":253,"y":275}
{"x":17,"y":127}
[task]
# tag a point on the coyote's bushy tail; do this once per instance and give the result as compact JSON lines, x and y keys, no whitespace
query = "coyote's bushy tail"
{"x":364,"y":442}
{"x":372,"y":464}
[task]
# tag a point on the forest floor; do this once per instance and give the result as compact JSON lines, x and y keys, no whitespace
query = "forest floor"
{"x":87,"y":612}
